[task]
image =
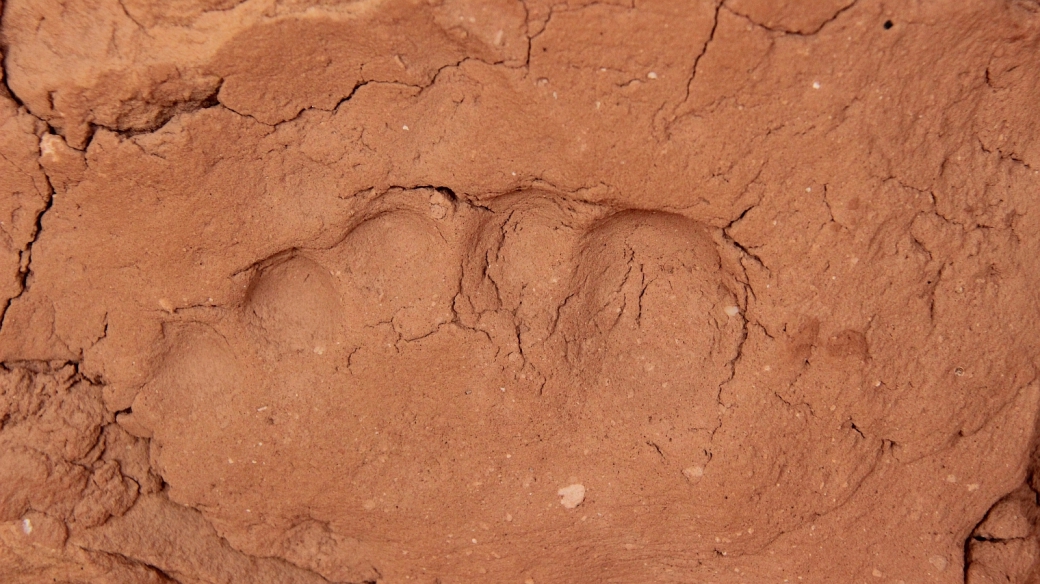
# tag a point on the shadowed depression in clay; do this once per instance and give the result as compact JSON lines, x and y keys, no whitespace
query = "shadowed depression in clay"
{"x":519,"y":291}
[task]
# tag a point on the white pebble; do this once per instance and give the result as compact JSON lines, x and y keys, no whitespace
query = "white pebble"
{"x":26,"y":526}
{"x":49,"y":143}
{"x":731,"y":310}
{"x":652,"y":75}
{"x":572,"y":495}
{"x":693,"y":472}
{"x":815,"y":84}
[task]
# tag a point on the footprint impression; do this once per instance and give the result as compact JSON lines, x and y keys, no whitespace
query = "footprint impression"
{"x":445,"y":367}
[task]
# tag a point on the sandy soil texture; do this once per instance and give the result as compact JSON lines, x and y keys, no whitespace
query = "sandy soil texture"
{"x":519,"y":291}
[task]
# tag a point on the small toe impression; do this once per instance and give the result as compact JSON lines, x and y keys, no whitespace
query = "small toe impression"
{"x":197,"y":405}
{"x":518,"y":269}
{"x":397,"y":269}
{"x":293,"y":304}
{"x":647,"y":320}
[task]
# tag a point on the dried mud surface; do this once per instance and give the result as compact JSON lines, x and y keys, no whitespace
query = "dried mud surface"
{"x":496,"y":291}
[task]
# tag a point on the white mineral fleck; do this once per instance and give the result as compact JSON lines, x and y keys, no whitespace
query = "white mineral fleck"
{"x":693,"y":472}
{"x":49,"y":143}
{"x":572,"y":495}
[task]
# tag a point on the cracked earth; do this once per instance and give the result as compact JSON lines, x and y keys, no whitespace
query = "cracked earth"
{"x":497,"y":291}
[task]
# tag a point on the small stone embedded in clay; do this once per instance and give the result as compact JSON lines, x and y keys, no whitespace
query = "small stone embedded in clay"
{"x":572,"y":495}
{"x":440,"y":204}
{"x":437,"y":211}
{"x":693,"y":473}
{"x":49,"y":145}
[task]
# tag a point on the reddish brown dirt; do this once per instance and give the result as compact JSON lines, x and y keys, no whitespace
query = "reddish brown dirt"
{"x":495,"y":291}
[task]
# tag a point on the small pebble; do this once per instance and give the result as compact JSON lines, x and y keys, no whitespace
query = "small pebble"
{"x":572,"y":495}
{"x":693,"y":472}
